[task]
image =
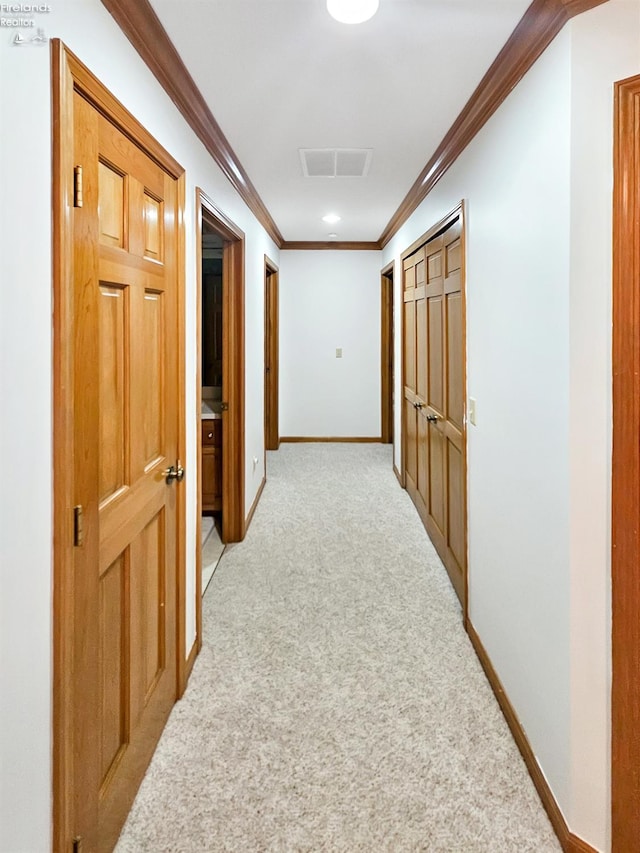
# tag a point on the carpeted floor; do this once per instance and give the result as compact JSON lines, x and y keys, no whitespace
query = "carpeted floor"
{"x":337,"y":704}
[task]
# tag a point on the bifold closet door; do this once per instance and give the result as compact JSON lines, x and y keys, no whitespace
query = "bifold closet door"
{"x":434,"y":395}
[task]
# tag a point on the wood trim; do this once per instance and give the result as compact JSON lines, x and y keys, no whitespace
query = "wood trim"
{"x":191,"y":659}
{"x":182,"y":672}
{"x":440,"y":226}
{"x":93,"y":90}
{"x":141,"y":25}
{"x":574,"y":844}
{"x":254,"y":505}
{"x":625,"y":497}
{"x":198,"y":419}
{"x":271,"y":357}
{"x":233,"y":449}
{"x":539,"y":25}
{"x":330,"y":245}
{"x":69,"y":75}
{"x":62,"y":195}
{"x":386,"y":355}
{"x":301,"y":439}
{"x":465,"y":391}
{"x":570,"y":843}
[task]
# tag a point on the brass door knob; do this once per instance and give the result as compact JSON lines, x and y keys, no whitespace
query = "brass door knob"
{"x":177,"y":473}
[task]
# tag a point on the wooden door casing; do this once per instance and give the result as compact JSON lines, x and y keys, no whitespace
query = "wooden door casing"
{"x":434,"y":391}
{"x":271,"y":357}
{"x":625,"y":482}
{"x":386,"y":355}
{"x":118,"y":346}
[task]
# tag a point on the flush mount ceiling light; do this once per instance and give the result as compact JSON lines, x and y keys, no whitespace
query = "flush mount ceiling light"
{"x":352,"y":11}
{"x":331,"y":218}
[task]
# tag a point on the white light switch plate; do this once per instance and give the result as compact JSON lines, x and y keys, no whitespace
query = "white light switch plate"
{"x":472,"y":410}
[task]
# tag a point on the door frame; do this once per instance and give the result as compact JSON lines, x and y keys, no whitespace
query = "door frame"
{"x":625,"y":474}
{"x":70,"y":75}
{"x":458,"y":212}
{"x":271,"y":356}
{"x":233,"y":383}
{"x":387,"y":431}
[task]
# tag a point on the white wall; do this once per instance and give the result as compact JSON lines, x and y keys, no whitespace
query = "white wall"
{"x":330,"y":299}
{"x":537,"y":181}
{"x":605,"y":47}
{"x":26,"y":369}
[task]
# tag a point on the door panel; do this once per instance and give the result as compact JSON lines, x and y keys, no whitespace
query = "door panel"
{"x":113,"y":360}
{"x":437,"y":497}
{"x":455,"y":492}
{"x":113,"y":678}
{"x":125,"y":252}
{"x":434,"y":395}
{"x":455,"y":344}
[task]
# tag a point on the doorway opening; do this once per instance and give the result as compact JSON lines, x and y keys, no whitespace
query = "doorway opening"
{"x":386,"y":354}
{"x":219,"y":390}
{"x":212,"y":260}
{"x":271,"y":370}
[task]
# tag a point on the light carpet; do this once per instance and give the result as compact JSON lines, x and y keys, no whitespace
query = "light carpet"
{"x":337,"y":703}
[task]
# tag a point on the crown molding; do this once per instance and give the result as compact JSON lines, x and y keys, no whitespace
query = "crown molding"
{"x":301,"y":245}
{"x":539,"y":25}
{"x":141,"y":25}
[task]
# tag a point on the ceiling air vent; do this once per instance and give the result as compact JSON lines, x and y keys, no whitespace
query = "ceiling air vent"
{"x":335,"y":162}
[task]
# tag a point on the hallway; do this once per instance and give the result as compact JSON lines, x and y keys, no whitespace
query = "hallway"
{"x":337,"y":703}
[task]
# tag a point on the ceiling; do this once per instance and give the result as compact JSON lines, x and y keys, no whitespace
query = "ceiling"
{"x":280,"y":75}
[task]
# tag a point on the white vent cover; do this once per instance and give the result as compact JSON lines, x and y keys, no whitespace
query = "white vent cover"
{"x":335,"y":162}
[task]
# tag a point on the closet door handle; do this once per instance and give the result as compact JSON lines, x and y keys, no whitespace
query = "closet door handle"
{"x":432,"y":419}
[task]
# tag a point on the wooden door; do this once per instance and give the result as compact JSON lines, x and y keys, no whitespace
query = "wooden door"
{"x":414,"y":390}
{"x":271,"y":402}
{"x":434,"y":440}
{"x":125,"y":435}
{"x":444,"y":413}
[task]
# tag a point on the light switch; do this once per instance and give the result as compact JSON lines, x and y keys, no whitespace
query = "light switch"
{"x":472,"y":410}
{"x":339,"y":352}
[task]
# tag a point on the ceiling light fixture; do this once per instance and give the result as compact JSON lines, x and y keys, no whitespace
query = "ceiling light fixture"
{"x":352,"y":11}
{"x":331,"y":218}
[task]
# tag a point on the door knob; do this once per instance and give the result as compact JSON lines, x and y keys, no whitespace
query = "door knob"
{"x":177,"y":473}
{"x":432,"y":419}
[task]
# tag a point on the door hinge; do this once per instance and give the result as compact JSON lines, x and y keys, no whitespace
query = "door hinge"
{"x":224,"y":407}
{"x":78,"y":526}
{"x":77,"y":186}
{"x":77,"y":844}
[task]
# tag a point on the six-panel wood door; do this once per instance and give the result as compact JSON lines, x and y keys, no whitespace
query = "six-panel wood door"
{"x":434,"y":395}
{"x":126,"y":420}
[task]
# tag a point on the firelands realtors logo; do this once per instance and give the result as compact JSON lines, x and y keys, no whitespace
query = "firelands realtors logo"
{"x":22,"y":16}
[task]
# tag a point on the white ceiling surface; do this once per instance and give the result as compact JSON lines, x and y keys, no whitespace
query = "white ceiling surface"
{"x":280,"y":75}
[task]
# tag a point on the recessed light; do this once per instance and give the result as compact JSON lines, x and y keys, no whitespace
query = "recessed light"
{"x":331,"y":218}
{"x":352,"y":11}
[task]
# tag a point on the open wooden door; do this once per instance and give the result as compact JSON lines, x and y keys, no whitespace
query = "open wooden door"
{"x":118,"y":627}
